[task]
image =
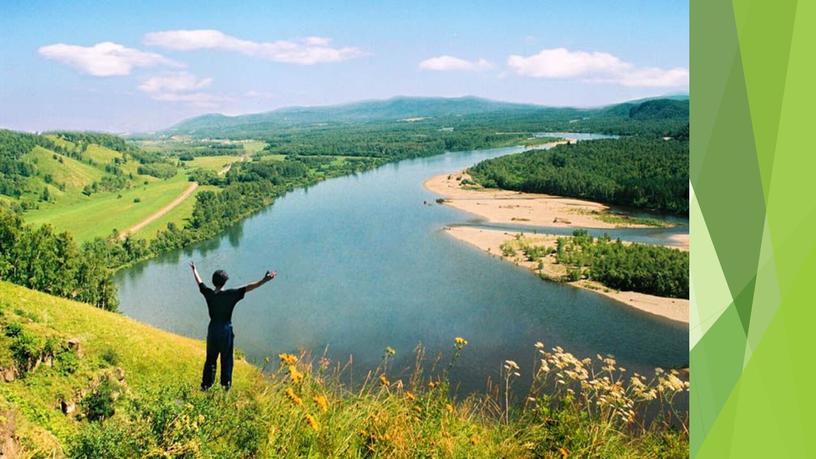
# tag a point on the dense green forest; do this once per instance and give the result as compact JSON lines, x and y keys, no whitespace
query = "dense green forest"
{"x":51,"y":262}
{"x":641,"y":172}
{"x":641,"y":268}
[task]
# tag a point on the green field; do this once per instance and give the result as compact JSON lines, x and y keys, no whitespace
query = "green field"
{"x":101,"y":213}
{"x":179,"y":215}
{"x":212,"y":163}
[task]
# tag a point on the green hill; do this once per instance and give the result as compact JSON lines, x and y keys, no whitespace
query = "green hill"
{"x":420,"y":109}
{"x":83,"y":382}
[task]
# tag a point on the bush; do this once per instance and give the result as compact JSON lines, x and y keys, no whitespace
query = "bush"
{"x":110,"y":356}
{"x":26,"y":350}
{"x":13,"y":329}
{"x":99,"y":404}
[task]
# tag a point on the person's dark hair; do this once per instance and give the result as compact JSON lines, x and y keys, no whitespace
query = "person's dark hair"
{"x":219,"y":278}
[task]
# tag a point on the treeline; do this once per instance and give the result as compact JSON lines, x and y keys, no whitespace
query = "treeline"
{"x":638,"y":172}
{"x":51,"y":262}
{"x":14,"y":172}
{"x":392,"y":142}
{"x":651,"y":269}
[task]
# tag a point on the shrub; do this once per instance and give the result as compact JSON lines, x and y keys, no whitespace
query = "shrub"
{"x":110,"y":356}
{"x":99,"y":404}
{"x":13,"y":329}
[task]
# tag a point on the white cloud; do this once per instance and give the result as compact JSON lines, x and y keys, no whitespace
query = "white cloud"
{"x":181,"y":87}
{"x":446,"y":63}
{"x":104,"y":59}
{"x":174,"y":82}
{"x":597,"y":67}
{"x":308,"y":51}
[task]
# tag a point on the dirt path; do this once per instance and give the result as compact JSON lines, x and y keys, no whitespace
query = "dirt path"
{"x":159,"y":213}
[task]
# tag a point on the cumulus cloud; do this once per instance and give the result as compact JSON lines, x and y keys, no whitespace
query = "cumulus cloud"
{"x":447,"y":63}
{"x":104,"y":59}
{"x":308,"y":51}
{"x":598,"y":67}
{"x":180,"y":87}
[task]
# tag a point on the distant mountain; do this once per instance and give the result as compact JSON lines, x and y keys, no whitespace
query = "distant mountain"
{"x":395,"y":108}
{"x":415,"y":109}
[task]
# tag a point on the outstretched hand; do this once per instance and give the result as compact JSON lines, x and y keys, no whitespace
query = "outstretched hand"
{"x":270,"y":275}
{"x":192,"y":265}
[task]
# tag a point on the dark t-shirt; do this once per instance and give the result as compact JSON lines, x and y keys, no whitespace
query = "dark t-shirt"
{"x":221,"y":303}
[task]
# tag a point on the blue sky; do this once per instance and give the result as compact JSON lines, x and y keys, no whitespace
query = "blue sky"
{"x":146,"y":65}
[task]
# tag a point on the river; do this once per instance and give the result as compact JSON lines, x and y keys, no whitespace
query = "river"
{"x":363,"y":263}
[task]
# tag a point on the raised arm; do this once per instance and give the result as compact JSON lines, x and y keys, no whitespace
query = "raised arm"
{"x":195,"y":274}
{"x":267,"y":277}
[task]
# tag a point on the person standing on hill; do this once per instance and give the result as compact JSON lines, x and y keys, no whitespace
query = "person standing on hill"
{"x":220,"y":337}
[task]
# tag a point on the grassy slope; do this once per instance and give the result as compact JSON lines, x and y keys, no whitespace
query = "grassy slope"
{"x":151,"y":357}
{"x":178,"y":215}
{"x":74,"y":174}
{"x":99,"y":214}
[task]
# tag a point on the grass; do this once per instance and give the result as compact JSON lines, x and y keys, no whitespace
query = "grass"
{"x":178,"y":215}
{"x":627,"y":220}
{"x":212,"y":163}
{"x":300,"y":409}
{"x":101,"y":155}
{"x":74,"y":174}
{"x":150,"y":357}
{"x":101,"y":213}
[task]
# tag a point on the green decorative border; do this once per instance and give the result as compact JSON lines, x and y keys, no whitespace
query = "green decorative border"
{"x":753,"y":225}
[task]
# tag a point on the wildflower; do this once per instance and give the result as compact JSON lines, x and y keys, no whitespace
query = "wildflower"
{"x":295,"y":374}
{"x":432,"y":384}
{"x":564,"y":453}
{"x":287,"y":359}
{"x":459,"y":343}
{"x":384,"y":380}
{"x":324,"y":363}
{"x":529,"y":445}
{"x":312,"y":422}
{"x":410,"y":396}
{"x":290,"y":394}
{"x":539,"y":345}
{"x":510,"y":365}
{"x":321,"y":401}
{"x":390,"y":351}
{"x":474,"y":439}
{"x":449,"y":408}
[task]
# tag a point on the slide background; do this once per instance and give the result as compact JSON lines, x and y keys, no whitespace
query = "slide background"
{"x":753,"y":228}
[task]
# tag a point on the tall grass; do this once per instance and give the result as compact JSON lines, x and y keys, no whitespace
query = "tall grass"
{"x":574,"y":407}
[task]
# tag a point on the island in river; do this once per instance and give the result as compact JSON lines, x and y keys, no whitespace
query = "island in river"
{"x":510,"y":207}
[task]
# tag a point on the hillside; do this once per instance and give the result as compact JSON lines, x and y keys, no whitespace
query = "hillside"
{"x":397,"y":108}
{"x":456,"y":111}
{"x":83,"y":382}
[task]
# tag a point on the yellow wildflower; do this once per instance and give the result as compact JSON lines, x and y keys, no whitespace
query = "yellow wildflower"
{"x":449,"y":408}
{"x":295,"y":374}
{"x":321,"y":401}
{"x":410,"y":396}
{"x":384,"y":380}
{"x":312,"y":422}
{"x":293,"y":397}
{"x":460,"y":342}
{"x":288,"y":359}
{"x":564,"y":453}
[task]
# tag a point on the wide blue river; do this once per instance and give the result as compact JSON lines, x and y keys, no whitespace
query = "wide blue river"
{"x":363,"y":264}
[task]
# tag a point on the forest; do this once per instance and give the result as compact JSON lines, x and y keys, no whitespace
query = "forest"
{"x":41,"y":259}
{"x":651,"y":269}
{"x":639,"y":172}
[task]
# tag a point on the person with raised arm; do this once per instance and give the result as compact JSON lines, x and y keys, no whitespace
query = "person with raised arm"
{"x":220,"y":337}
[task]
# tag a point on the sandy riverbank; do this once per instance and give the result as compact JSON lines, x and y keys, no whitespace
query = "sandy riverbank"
{"x":504,"y":206}
{"x":491,"y":240}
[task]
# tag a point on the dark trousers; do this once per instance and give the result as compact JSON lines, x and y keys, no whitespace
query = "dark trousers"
{"x":220,"y":340}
